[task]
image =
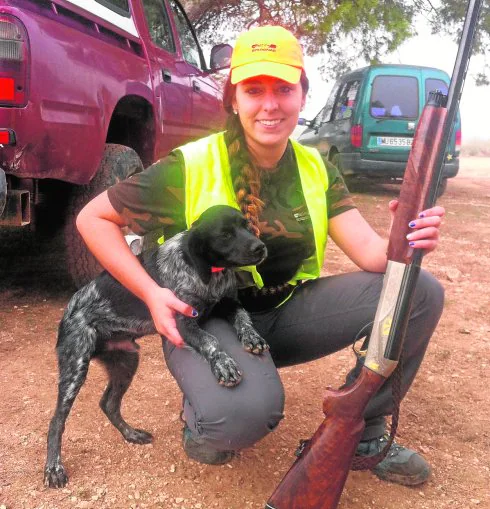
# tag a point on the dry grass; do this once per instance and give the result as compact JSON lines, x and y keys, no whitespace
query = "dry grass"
{"x":475,"y":148}
{"x":474,"y":167}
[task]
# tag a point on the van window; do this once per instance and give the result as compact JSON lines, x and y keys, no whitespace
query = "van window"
{"x":394,"y":96}
{"x":434,"y":84}
{"x":346,"y":100}
{"x":326,"y":114}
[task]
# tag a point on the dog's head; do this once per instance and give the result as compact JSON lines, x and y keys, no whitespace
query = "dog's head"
{"x":221,"y":238}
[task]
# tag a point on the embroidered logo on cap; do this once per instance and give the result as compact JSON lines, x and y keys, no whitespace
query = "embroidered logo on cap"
{"x":263,"y":47}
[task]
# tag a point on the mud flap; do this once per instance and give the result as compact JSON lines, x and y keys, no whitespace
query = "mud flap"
{"x":3,"y":190}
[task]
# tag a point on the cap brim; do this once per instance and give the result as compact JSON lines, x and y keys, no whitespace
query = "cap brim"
{"x":282,"y":71}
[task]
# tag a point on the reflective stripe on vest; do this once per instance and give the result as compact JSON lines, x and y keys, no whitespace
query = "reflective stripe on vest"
{"x":208,"y":182}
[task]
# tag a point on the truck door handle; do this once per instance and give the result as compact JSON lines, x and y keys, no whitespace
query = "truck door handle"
{"x":195,"y":86}
{"x":167,"y":75}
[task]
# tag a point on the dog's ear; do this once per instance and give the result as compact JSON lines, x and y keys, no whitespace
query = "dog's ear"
{"x":192,"y":247}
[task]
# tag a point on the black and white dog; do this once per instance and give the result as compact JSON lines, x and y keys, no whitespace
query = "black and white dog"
{"x":103,"y":319}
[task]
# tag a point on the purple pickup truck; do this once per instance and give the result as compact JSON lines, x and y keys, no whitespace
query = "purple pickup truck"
{"x":92,"y":91}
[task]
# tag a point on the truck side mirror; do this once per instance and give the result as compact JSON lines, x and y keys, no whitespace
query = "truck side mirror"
{"x":220,"y":57}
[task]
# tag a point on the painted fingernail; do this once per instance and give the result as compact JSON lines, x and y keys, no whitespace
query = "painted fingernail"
{"x":411,"y":244}
{"x":409,"y":236}
{"x":194,"y":313}
{"x":421,"y":214}
{"x":411,"y":224}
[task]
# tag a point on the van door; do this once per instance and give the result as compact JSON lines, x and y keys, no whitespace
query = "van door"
{"x":170,"y":82}
{"x":342,"y":115}
{"x":317,"y":135}
{"x":391,"y":115}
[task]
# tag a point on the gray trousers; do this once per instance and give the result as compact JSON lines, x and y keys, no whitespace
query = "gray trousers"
{"x":322,"y":317}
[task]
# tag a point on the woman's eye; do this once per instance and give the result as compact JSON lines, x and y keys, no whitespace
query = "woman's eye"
{"x":253,"y":90}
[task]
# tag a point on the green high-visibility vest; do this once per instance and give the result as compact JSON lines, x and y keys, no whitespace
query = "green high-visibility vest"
{"x":208,"y":182}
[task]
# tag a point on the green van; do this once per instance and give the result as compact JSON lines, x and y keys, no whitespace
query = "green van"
{"x":367,"y":125}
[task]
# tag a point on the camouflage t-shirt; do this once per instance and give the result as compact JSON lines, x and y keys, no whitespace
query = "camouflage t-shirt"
{"x":154,"y":200}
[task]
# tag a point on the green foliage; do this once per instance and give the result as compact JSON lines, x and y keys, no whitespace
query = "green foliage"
{"x":448,"y":19}
{"x":368,"y":28}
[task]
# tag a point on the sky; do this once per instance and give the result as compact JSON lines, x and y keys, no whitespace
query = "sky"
{"x":432,"y":51}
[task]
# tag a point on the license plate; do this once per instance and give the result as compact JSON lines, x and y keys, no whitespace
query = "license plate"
{"x":393,"y":141}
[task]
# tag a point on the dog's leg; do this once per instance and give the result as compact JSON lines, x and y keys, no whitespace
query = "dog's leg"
{"x":121,"y":367}
{"x":251,"y":340}
{"x":223,"y":366}
{"x":73,"y":368}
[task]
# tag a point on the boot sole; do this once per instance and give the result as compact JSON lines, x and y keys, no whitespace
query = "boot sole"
{"x":404,"y":479}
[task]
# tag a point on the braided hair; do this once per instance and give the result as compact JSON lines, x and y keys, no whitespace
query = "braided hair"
{"x":244,"y":173}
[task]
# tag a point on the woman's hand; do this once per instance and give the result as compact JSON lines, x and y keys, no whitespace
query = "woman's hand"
{"x":425,"y":234}
{"x":163,"y":306}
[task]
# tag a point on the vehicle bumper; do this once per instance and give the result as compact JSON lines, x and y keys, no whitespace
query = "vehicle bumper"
{"x":354,"y":164}
{"x":14,"y":204}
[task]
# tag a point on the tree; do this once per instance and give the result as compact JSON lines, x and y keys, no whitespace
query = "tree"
{"x":448,"y":19}
{"x":343,"y":32}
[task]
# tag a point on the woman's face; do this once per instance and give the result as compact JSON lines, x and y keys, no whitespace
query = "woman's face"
{"x":269,"y":109}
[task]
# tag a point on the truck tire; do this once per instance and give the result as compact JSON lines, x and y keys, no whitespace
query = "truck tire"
{"x":118,"y":162}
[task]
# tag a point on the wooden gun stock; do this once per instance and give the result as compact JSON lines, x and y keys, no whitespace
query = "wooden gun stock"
{"x":317,"y":477}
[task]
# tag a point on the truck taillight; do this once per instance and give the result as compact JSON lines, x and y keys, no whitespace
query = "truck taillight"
{"x":457,"y":147}
{"x":7,"y":137}
{"x":13,"y":62}
{"x":356,"y":135}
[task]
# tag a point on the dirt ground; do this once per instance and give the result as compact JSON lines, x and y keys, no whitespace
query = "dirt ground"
{"x":445,"y":415}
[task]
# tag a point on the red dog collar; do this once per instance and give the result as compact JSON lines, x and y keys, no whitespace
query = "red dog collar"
{"x":217,"y":269}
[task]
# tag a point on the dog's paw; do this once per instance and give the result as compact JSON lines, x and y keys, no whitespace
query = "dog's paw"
{"x":138,"y":436}
{"x":253,"y":342}
{"x":225,"y":370}
{"x":55,"y":476}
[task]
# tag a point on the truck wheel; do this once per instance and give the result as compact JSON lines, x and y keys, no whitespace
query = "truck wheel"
{"x":118,"y":162}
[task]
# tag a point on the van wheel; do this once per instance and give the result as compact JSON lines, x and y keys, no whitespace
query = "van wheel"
{"x":335,"y":160}
{"x":442,"y":187}
{"x":118,"y":162}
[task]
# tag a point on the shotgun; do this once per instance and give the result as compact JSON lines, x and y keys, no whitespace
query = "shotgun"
{"x":317,"y":478}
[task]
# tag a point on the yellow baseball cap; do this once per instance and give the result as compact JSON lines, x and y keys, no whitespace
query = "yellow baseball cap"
{"x":267,"y":51}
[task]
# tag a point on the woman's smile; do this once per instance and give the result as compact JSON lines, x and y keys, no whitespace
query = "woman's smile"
{"x":269,"y":109}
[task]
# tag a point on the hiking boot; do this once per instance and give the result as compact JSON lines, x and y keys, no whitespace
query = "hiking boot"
{"x":197,"y":449}
{"x":401,"y":465}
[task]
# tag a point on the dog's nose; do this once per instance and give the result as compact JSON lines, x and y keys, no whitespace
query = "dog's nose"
{"x":259,"y":250}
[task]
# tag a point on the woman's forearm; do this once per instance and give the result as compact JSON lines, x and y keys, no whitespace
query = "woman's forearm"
{"x":359,"y":241}
{"x":100,"y":227}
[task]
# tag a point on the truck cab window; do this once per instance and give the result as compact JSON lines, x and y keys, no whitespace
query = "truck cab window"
{"x":190,"y":46}
{"x":119,"y":6}
{"x":158,"y":24}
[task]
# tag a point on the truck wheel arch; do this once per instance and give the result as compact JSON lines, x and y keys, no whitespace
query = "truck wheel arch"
{"x":133,"y":124}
